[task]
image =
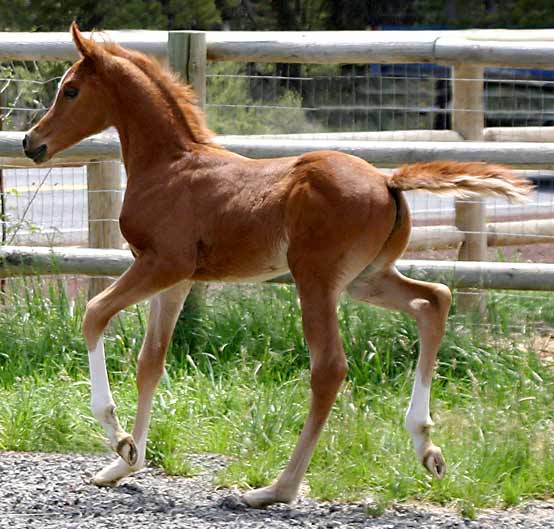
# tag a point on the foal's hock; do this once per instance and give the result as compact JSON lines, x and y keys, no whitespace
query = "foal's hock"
{"x":196,"y":212}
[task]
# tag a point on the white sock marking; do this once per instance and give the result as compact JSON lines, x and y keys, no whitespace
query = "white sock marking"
{"x":418,"y":414}
{"x":101,"y":397}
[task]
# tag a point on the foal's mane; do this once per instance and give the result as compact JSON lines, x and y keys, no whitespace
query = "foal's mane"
{"x":179,"y":96}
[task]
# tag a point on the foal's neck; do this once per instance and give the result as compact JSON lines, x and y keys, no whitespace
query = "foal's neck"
{"x":150,"y":132}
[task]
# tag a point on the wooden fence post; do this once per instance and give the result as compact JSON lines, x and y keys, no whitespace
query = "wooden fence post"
{"x":188,"y":57}
{"x":468,"y":119}
{"x":188,"y":54}
{"x":104,"y":206}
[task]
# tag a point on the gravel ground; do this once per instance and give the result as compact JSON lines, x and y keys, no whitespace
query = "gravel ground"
{"x":52,"y":491}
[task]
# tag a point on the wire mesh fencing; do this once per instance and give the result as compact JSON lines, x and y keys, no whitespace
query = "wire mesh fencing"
{"x":26,"y":90}
{"x":256,"y":98}
{"x":320,"y":99}
{"x":398,"y":102}
{"x":349,"y":102}
{"x":49,"y":206}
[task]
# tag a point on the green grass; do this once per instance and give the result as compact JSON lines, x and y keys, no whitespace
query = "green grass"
{"x":237,"y":384}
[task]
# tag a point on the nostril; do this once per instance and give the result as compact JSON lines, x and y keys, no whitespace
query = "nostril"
{"x":25,"y":141}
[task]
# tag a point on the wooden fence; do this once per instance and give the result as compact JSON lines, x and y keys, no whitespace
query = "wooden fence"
{"x":21,"y":260}
{"x":466,"y":51}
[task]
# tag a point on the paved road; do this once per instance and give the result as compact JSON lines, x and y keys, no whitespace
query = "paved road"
{"x":58,"y":210}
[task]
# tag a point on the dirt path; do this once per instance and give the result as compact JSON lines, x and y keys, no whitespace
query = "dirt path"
{"x":52,"y":491}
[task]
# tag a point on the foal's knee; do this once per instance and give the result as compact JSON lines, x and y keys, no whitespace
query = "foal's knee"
{"x":94,"y":322}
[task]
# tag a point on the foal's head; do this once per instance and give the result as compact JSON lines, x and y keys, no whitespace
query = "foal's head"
{"x":80,"y":107}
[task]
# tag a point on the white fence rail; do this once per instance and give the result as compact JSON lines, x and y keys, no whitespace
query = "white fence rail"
{"x":466,"y":51}
{"x":492,"y":48}
{"x":384,"y":153}
{"x":19,"y":261}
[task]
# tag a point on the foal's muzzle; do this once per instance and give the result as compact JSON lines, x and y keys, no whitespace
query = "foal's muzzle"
{"x":37,"y":154}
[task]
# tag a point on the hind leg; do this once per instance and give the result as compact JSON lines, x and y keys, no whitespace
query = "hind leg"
{"x":328,"y":369}
{"x":428,"y":303}
{"x":164,"y":311}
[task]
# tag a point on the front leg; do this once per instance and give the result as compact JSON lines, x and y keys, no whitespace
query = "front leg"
{"x":148,"y":275}
{"x":164,"y":312}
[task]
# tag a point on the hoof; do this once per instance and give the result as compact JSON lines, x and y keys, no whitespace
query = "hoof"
{"x":111,"y":475}
{"x":101,"y":481}
{"x":127,"y":449}
{"x":260,"y":498}
{"x":434,"y":462}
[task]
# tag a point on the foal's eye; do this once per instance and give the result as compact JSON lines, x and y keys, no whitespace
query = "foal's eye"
{"x":70,"y":92}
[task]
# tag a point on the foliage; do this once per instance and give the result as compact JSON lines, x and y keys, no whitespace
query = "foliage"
{"x":53,"y":15}
{"x":485,"y":14}
{"x":34,"y":87}
{"x":232,"y":109}
{"x":304,"y":107}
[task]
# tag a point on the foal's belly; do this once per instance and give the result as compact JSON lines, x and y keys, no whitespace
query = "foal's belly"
{"x":258,"y":278}
{"x":242,"y":265}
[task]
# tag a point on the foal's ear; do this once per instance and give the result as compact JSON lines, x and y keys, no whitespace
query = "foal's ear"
{"x":85,"y":46}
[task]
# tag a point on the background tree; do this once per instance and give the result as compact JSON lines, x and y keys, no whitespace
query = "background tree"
{"x":54,"y":15}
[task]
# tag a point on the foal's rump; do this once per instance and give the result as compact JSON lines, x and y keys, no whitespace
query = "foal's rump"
{"x":346,"y":214}
{"x":339,"y":211}
{"x":462,"y":179}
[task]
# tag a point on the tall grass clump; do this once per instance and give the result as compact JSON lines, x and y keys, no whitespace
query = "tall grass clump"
{"x":237,"y":384}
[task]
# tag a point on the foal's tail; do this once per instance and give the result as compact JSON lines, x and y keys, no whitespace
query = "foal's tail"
{"x":461,"y":179}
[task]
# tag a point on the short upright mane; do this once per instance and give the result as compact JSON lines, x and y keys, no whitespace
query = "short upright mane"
{"x":179,"y":96}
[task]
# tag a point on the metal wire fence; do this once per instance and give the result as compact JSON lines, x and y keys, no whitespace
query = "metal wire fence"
{"x":50,"y":206}
{"x":356,"y":101}
{"x":304,"y":98}
{"x":317,"y":101}
{"x":26,"y":90}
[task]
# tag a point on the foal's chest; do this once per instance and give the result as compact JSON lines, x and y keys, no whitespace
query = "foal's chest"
{"x":156,"y":217}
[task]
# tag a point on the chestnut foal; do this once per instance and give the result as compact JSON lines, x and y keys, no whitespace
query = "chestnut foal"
{"x":196,"y":212}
